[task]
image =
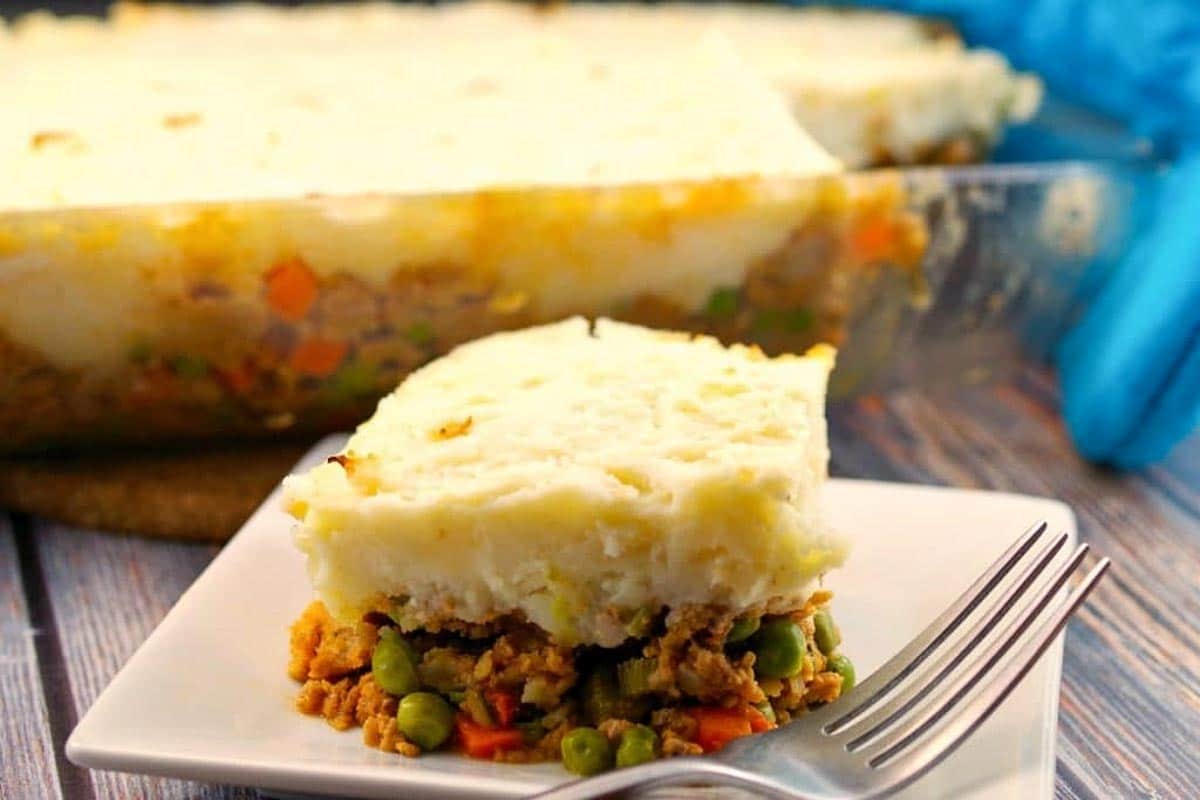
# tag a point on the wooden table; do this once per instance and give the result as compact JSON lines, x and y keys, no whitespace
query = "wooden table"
{"x":77,"y":603}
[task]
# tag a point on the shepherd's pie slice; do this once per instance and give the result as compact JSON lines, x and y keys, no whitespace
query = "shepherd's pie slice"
{"x":573,"y":476}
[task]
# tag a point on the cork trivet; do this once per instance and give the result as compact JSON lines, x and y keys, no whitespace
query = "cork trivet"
{"x":195,"y":494}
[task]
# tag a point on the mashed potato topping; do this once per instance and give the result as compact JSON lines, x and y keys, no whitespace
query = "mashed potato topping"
{"x":575,"y":475}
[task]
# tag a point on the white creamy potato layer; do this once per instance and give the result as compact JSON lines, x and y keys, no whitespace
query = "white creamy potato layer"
{"x":575,"y":475}
{"x":378,"y":138}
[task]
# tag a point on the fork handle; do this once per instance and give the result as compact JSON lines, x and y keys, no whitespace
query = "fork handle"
{"x":666,"y":772}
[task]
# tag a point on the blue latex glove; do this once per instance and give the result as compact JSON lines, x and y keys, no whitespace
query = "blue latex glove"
{"x":1131,"y":369}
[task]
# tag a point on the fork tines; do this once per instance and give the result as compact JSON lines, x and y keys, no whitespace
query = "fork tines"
{"x":934,"y":693}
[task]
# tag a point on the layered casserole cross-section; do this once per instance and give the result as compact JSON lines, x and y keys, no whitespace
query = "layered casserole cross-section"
{"x":569,"y":532}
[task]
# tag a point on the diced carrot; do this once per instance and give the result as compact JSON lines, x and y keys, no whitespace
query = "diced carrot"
{"x":872,"y":404}
{"x":238,"y":379}
{"x":291,"y":289}
{"x":318,"y":357}
{"x":504,"y":704}
{"x":480,"y":742}
{"x":873,"y":239}
{"x":758,"y":721}
{"x":153,"y":385}
{"x":717,"y":727}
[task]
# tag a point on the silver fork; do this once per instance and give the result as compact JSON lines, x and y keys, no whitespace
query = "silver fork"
{"x":913,"y":711}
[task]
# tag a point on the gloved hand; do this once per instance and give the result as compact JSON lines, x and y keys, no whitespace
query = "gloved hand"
{"x":1131,"y":369}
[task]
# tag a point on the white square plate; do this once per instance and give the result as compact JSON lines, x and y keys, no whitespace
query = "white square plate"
{"x":207,"y":697}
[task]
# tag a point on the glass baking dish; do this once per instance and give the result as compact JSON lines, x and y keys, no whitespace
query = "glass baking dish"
{"x":134,"y":325}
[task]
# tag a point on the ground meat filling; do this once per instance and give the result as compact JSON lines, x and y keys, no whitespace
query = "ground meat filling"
{"x":690,"y":677}
{"x":298,"y":351}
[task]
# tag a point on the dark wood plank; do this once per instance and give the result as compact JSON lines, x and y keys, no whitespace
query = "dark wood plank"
{"x":26,"y":744}
{"x":109,"y":592}
{"x":1131,"y":692}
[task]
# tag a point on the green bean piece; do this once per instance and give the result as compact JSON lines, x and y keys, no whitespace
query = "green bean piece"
{"x":600,"y":695}
{"x":633,"y":676}
{"x":444,"y":670}
{"x":767,"y":710}
{"x":602,"y":698}
{"x":779,"y":649}
{"x":540,"y":692}
{"x":743,"y":628}
{"x":722,"y":303}
{"x":586,"y":751}
{"x":560,"y":714}
{"x":393,"y":664}
{"x":827,"y":635}
{"x":456,"y":696}
{"x":842,"y":666}
{"x":425,"y":719}
{"x":477,"y":708}
{"x":637,"y":745}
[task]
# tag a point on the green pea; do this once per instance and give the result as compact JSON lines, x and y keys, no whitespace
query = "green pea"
{"x":586,"y":751}
{"x":842,"y":666}
{"x":140,"y":352}
{"x":767,"y":711}
{"x":795,"y":320}
{"x":779,"y":649}
{"x":354,"y":380}
{"x":394,"y":664}
{"x":827,"y":635}
{"x":743,"y":628}
{"x":798,"y":320}
{"x":190,"y":367}
{"x":425,"y":719}
{"x":638,"y":745}
{"x":722,"y":303}
{"x":420,"y":333}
